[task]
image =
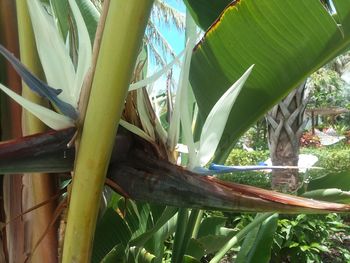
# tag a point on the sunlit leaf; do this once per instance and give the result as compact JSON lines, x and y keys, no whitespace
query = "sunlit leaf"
{"x":174,"y":127}
{"x":57,"y":64}
{"x":216,"y":121}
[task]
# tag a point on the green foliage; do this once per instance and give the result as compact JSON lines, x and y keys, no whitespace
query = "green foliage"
{"x":327,"y":89}
{"x":308,"y":238}
{"x":331,"y":159}
{"x":242,"y":157}
{"x":256,"y":136}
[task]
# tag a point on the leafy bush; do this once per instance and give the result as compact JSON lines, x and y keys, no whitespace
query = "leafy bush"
{"x":331,"y":159}
{"x":311,"y":238}
{"x":242,"y":157}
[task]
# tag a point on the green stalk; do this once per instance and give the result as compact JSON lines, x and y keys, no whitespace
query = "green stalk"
{"x":40,"y":187}
{"x":122,"y":35}
{"x":197,"y":224}
{"x":240,"y":235}
{"x":181,"y":226}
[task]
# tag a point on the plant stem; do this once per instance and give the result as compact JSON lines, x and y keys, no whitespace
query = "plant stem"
{"x":181,"y":225}
{"x":197,"y":224}
{"x":121,"y":39}
{"x":240,"y":235}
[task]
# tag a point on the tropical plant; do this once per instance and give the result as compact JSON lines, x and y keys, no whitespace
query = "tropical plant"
{"x":142,"y":166}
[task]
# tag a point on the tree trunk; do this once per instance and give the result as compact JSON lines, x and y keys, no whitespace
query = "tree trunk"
{"x":285,"y":127}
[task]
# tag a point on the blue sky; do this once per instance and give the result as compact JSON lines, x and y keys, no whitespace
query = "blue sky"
{"x":177,"y":41}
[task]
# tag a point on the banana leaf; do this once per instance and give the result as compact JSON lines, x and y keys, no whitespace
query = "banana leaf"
{"x":286,"y":40}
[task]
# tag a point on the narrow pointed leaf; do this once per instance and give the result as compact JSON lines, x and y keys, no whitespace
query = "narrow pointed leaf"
{"x":84,"y":49}
{"x":167,"y":214}
{"x":39,"y":86}
{"x":216,"y":121}
{"x":156,"y":75}
{"x":174,"y":127}
{"x":54,"y":56}
{"x":90,"y":15}
{"x":51,"y":118}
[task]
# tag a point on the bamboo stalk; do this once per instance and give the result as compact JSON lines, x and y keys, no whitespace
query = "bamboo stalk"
{"x":39,"y":187}
{"x":121,"y":39}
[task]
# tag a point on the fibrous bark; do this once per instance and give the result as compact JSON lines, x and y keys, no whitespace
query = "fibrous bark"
{"x":285,"y":127}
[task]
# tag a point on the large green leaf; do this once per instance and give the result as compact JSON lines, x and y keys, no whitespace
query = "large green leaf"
{"x":257,"y":244}
{"x":286,"y":40}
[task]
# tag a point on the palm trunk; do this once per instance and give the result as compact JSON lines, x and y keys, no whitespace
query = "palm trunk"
{"x":285,"y":127}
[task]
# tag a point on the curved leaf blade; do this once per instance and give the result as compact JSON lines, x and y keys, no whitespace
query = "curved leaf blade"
{"x":49,"y":117}
{"x":57,"y":64}
{"x":215,"y":123}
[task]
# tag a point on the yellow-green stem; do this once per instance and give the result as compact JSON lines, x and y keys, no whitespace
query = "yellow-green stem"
{"x":121,"y":39}
{"x":40,"y":187}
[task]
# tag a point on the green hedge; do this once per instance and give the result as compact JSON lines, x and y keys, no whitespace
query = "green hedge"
{"x":242,"y":157}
